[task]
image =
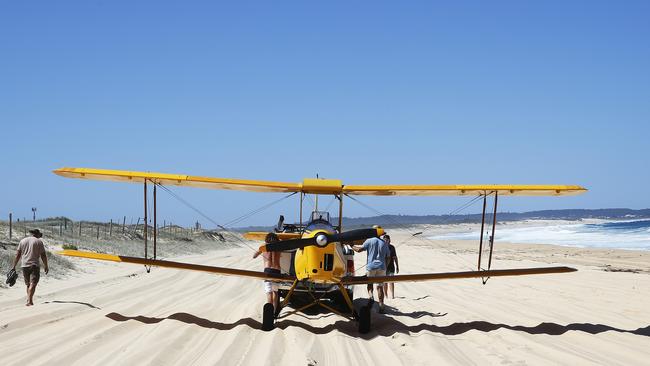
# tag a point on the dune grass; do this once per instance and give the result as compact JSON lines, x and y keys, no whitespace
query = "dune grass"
{"x":62,"y":233}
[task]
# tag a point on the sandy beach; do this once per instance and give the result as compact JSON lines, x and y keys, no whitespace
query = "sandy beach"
{"x":110,"y":313}
{"x":181,"y":133}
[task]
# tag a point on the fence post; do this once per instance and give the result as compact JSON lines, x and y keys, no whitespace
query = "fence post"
{"x":98,"y":232}
{"x":80,"y":229}
{"x":110,"y":231}
{"x":10,"y":225}
{"x":123,"y":224}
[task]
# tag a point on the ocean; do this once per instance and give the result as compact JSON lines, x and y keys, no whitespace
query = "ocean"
{"x":631,"y":235}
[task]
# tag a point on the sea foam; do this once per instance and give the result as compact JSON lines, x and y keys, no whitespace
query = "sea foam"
{"x":633,"y":235}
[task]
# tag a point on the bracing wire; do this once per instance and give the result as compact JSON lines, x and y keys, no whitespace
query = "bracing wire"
{"x":256,"y":211}
{"x":456,"y":211}
{"x":189,"y":205}
{"x":415,"y":235}
{"x":232,"y":222}
{"x":313,"y":203}
{"x":329,"y":205}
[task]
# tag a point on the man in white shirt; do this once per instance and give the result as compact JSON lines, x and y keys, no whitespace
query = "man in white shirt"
{"x":30,"y":250}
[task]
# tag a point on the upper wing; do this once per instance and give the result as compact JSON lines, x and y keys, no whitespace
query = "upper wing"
{"x":358,"y":280}
{"x":179,"y":265}
{"x":464,"y":190}
{"x":318,"y":186}
{"x":178,"y":180}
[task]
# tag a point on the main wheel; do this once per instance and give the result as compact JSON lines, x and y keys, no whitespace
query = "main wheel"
{"x":267,"y":317}
{"x":364,"y":319}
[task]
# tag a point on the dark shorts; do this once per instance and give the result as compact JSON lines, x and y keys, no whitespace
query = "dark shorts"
{"x":268,"y":270}
{"x":270,"y":286}
{"x":32,"y":275}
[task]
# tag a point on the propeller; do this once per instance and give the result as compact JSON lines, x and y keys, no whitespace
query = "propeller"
{"x":322,"y":239}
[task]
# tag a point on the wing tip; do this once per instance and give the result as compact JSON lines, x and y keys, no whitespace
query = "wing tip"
{"x":59,"y":171}
{"x":71,"y":252}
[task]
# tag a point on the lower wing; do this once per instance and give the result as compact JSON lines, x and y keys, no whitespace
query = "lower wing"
{"x":359,"y":280}
{"x":179,"y":265}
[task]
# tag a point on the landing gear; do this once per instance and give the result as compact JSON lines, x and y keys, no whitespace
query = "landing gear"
{"x":268,"y":317}
{"x":339,"y":301}
{"x":344,"y":296}
{"x":364,"y":319}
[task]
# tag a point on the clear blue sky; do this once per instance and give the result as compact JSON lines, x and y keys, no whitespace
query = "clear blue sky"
{"x":367,"y":92}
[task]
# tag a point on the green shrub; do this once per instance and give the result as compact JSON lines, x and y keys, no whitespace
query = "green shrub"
{"x":69,"y":246}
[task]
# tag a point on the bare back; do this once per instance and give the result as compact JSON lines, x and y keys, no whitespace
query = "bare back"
{"x":271,"y":259}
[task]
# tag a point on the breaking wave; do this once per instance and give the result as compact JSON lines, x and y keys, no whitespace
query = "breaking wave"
{"x":612,"y":234}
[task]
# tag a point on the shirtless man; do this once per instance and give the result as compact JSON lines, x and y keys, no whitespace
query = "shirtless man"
{"x":271,"y":266}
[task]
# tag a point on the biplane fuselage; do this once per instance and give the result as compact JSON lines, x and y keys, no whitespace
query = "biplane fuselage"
{"x":320,"y":264}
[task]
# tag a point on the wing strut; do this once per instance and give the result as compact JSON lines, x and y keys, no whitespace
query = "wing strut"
{"x":145,"y":229}
{"x":155,"y":223}
{"x":480,"y":243}
{"x":494,"y":224}
{"x":146,"y":224}
{"x":491,"y":237}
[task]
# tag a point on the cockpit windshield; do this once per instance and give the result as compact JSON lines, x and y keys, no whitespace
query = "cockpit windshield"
{"x":320,"y":215}
{"x":320,"y":225}
{"x":320,"y":220}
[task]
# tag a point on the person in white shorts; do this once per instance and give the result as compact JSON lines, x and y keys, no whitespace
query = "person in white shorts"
{"x":271,"y":266}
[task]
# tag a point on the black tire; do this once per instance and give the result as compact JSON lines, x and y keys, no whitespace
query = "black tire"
{"x":364,"y":319}
{"x":268,"y":317}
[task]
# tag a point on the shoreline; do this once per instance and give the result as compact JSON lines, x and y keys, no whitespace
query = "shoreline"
{"x":551,"y":232}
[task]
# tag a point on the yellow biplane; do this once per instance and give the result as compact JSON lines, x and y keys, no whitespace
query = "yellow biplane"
{"x":319,"y":247}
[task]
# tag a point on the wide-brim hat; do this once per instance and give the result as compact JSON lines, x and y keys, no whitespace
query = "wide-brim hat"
{"x":35,"y":232}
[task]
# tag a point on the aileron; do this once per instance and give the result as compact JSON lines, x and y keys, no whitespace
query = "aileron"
{"x":178,"y":265}
{"x":359,"y":280}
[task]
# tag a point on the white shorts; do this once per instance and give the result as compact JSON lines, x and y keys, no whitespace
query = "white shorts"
{"x":270,"y":286}
{"x":376,"y":273}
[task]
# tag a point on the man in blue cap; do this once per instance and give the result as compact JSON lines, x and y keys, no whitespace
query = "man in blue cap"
{"x":378,"y":255}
